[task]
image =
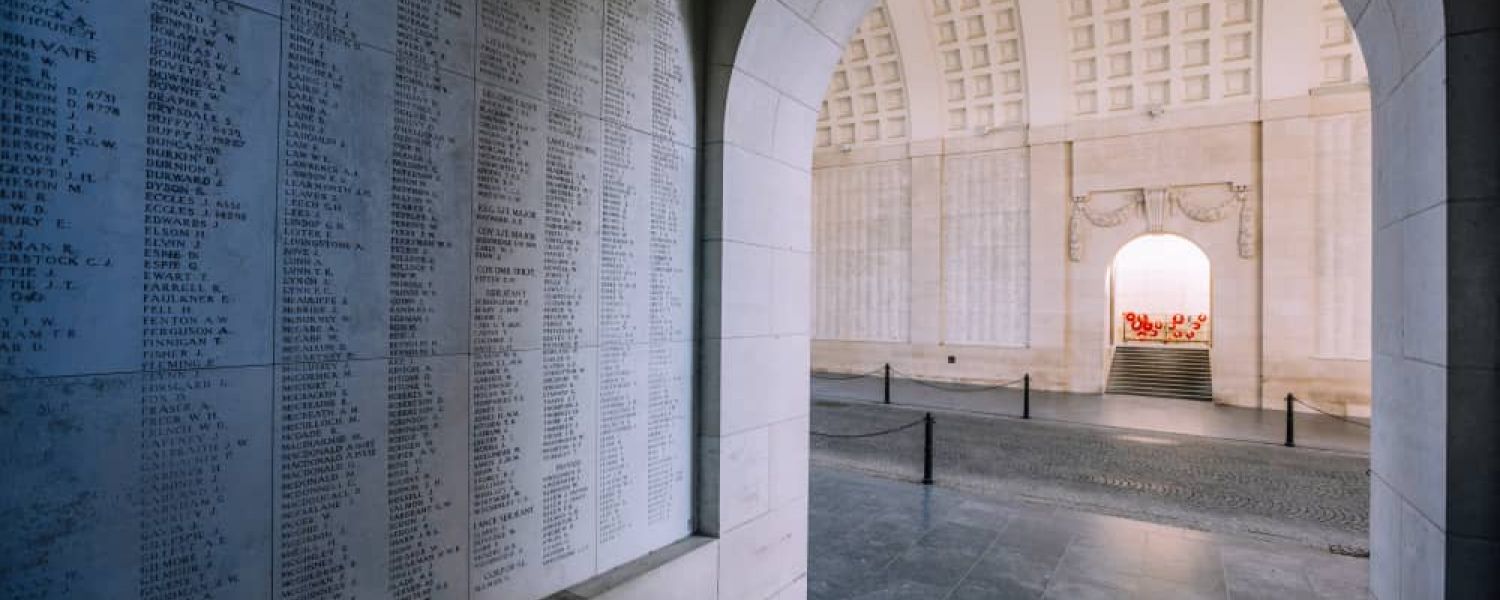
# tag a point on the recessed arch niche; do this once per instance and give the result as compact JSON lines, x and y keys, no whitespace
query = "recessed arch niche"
{"x":1161,"y":292}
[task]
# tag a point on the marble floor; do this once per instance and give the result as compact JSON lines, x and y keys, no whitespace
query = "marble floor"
{"x":878,"y":539}
{"x":1131,"y":412}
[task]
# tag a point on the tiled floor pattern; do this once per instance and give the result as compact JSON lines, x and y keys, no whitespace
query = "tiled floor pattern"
{"x":873,"y":538}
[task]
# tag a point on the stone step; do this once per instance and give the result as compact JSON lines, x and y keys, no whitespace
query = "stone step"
{"x":1184,"y":373}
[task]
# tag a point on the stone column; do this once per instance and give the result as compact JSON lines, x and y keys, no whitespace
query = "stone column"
{"x":926,"y":243}
{"x":1050,"y":205}
{"x":1435,"y":481}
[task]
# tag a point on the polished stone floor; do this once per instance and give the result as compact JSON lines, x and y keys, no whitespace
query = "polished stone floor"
{"x":1132,"y":412}
{"x":1307,"y":496}
{"x":872,"y":538}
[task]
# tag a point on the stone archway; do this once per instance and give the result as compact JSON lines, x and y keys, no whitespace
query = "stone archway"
{"x":1155,"y":279}
{"x":1434,"y":515}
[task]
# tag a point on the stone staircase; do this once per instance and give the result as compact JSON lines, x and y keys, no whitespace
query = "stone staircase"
{"x":1162,"y":372}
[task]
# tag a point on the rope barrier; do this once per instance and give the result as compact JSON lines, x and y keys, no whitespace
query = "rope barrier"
{"x":850,"y":436}
{"x":1329,"y":414}
{"x":846,"y":376}
{"x":912,"y":378}
{"x":960,"y":387}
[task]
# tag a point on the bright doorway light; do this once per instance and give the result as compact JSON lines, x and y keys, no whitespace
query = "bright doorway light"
{"x":1161,"y":288}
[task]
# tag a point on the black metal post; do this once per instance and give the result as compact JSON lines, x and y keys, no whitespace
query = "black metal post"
{"x":1026,"y":396}
{"x":1291,"y":440}
{"x":927,"y":450}
{"x":887,"y":383}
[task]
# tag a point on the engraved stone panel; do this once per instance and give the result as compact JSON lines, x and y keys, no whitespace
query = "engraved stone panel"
{"x":674,"y":184}
{"x":343,"y":298}
{"x":640,"y":382}
{"x":552,"y":51}
{"x":647,"y":76}
{"x":1342,"y":167}
{"x":144,"y":485}
{"x":987,"y":249}
{"x":862,"y":252}
{"x":438,"y":34}
{"x":334,"y":232}
{"x":330,"y":478}
{"x":431,"y":216}
{"x":504,"y":504}
{"x":114,"y":179}
{"x":627,"y":53}
{"x":69,"y":150}
{"x":209,"y":187}
{"x":427,"y":412}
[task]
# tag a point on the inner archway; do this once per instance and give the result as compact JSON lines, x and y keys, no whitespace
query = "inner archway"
{"x":1424,"y":496}
{"x":1160,"y":291}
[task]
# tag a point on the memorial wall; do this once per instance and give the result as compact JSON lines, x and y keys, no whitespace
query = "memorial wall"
{"x":1025,"y":162}
{"x":343,"y":298}
{"x":862,"y":239}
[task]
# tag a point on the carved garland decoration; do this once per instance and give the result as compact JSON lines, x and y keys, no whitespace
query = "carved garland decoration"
{"x":1155,"y":205}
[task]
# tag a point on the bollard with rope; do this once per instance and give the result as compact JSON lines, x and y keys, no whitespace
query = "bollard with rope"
{"x":1291,"y":441}
{"x":1026,"y":396}
{"x":1291,"y":404}
{"x":844,"y":376}
{"x":927,"y":443}
{"x":927,"y":450}
{"x":889,"y":374}
{"x":1024,"y":380}
{"x":887,"y":383}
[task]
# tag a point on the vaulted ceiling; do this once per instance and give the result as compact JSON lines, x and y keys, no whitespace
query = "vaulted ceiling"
{"x":927,"y":69}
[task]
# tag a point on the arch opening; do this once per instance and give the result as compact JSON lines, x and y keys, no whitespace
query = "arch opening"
{"x":1161,"y":292}
{"x":1406,"y":86}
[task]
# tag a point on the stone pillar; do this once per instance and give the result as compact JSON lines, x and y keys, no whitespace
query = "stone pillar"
{"x":1050,"y":204}
{"x":769,"y":65}
{"x":926,"y":312}
{"x":1435,"y":482}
